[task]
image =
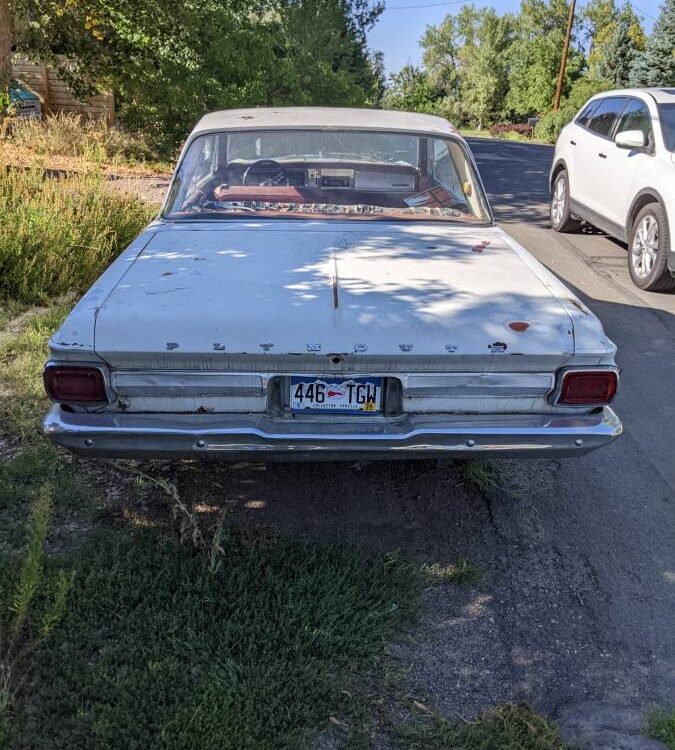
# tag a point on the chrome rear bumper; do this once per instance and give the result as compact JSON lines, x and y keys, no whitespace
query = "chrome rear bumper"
{"x":259,"y":437}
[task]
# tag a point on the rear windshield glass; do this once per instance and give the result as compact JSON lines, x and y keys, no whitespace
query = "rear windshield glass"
{"x":327,"y":174}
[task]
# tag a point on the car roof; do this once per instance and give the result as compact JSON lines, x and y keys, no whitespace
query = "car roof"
{"x":323,"y":118}
{"x":660,"y":95}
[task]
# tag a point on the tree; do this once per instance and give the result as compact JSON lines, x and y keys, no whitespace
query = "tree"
{"x":440,"y":45}
{"x":535,"y":55}
{"x":656,"y":65}
{"x":411,"y":90}
{"x":168,"y":61}
{"x":486,"y":38}
{"x":620,"y":51}
{"x":615,"y":36}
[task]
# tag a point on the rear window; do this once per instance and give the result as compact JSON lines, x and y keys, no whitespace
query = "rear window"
{"x":329,"y":174}
{"x":605,"y":115}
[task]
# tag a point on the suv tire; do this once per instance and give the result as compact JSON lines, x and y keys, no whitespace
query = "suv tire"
{"x":648,"y":246}
{"x":561,"y":217}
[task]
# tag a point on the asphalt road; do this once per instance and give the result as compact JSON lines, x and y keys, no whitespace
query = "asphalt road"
{"x":606,"y":519}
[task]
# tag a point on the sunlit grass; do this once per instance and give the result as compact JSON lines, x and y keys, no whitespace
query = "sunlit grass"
{"x":57,"y":236}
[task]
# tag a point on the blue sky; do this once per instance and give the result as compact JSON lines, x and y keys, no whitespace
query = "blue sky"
{"x":400,"y":27}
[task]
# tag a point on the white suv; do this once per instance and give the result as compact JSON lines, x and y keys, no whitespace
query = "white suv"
{"x":614,"y":167}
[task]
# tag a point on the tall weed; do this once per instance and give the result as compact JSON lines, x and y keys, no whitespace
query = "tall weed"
{"x":56,"y":236}
{"x":23,"y":626}
{"x":69,"y":134}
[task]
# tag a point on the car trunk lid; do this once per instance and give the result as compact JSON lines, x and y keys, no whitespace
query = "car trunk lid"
{"x":294,"y":290}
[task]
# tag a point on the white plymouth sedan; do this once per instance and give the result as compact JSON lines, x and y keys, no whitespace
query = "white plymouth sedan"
{"x":328,"y":283}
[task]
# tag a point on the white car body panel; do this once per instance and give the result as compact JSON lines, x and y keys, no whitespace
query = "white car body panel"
{"x":429,"y":290}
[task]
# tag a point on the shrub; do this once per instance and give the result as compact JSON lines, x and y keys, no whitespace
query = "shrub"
{"x":56,"y":236}
{"x":549,"y":126}
{"x":502,"y":130}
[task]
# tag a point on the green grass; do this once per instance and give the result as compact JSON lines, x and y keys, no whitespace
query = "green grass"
{"x":155,"y":651}
{"x":486,"y":477}
{"x":507,"y":727}
{"x":22,"y":357}
{"x":660,"y":725}
{"x":57,"y":236}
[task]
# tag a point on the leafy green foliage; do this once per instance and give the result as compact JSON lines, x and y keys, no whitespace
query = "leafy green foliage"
{"x":155,"y":651}
{"x":656,"y":65}
{"x":169,"y":61}
{"x":57,"y":236}
{"x":612,"y":48}
{"x":535,"y":57}
{"x":551,"y":123}
{"x":410,"y":90}
{"x":619,"y":55}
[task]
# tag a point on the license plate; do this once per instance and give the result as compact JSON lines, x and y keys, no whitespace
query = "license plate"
{"x":343,"y":395}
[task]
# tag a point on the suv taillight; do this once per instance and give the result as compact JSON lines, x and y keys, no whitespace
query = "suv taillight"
{"x":74,"y":384}
{"x":588,"y":387}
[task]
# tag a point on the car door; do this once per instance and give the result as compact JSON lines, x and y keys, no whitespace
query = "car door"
{"x":574,"y":144}
{"x":623,"y":165}
{"x":593,"y":149}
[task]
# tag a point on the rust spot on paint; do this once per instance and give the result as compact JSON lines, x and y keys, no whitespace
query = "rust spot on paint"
{"x":578,"y":305}
{"x":519,"y":325}
{"x":480,"y":246}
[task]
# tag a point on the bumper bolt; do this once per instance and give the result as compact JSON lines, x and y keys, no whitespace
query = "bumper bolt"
{"x":88,"y":442}
{"x":470,"y":443}
{"x":578,"y":442}
{"x":201,"y":443}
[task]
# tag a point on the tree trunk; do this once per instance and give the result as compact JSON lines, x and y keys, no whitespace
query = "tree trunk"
{"x":5,"y":45}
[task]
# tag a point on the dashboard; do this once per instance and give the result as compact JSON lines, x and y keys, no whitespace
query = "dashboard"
{"x":386,"y":178}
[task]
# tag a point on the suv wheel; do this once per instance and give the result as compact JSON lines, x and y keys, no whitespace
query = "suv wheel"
{"x":648,"y":246}
{"x":561,"y":218}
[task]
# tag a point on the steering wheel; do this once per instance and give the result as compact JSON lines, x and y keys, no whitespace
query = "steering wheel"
{"x":278,"y":177}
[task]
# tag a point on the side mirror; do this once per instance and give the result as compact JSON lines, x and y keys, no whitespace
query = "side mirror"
{"x":630,"y":139}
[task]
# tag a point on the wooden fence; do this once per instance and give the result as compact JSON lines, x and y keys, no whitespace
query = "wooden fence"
{"x":56,"y":96}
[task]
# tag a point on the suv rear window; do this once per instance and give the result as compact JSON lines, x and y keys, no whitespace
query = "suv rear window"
{"x":605,"y":115}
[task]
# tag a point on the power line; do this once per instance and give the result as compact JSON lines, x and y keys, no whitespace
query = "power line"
{"x":457,"y":2}
{"x":644,"y":12}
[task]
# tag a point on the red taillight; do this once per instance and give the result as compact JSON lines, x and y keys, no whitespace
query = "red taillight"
{"x":588,"y":387}
{"x":75,"y":385}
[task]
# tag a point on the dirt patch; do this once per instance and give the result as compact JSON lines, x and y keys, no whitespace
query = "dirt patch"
{"x":149,"y":189}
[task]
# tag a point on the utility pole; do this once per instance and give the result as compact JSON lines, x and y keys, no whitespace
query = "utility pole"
{"x":563,"y":61}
